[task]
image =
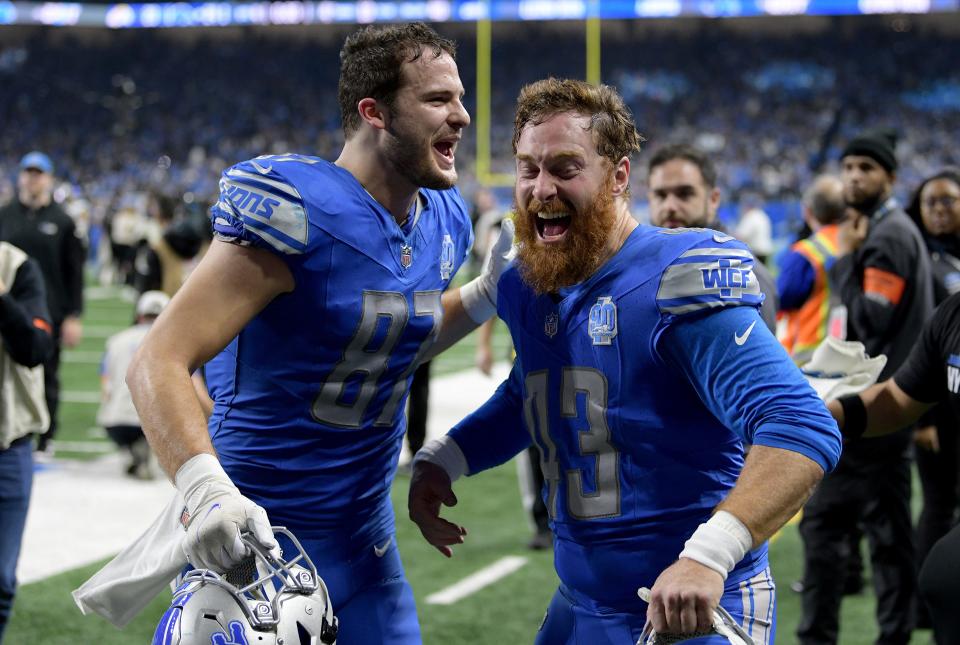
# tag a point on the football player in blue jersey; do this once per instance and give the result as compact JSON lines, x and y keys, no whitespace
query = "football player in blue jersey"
{"x":643,"y":373}
{"x":326,"y":285}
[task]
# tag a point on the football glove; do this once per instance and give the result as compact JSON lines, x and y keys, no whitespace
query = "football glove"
{"x":217,"y":513}
{"x":479,"y":296}
{"x":723,"y":624}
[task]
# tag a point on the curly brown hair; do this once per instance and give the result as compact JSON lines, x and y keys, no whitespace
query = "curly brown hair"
{"x":610,"y":120}
{"x":371,"y":62}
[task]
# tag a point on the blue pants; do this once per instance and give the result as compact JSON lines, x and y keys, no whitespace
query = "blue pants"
{"x":372,"y":599}
{"x":16,"y":480}
{"x":570,"y":621}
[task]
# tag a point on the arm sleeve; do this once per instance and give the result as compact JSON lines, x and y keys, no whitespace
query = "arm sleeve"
{"x":921,"y":376}
{"x":494,"y":433}
{"x":24,"y":319}
{"x":795,"y":281}
{"x":753,"y":388}
{"x":74,"y":256}
{"x":873,"y":293}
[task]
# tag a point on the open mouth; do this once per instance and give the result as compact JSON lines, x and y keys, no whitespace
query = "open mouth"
{"x":445,"y":151}
{"x":551,"y":227}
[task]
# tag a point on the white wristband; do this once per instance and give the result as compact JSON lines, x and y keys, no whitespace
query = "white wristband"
{"x":719,"y":543}
{"x":476,"y":302}
{"x":197,"y":470}
{"x":444,"y":452}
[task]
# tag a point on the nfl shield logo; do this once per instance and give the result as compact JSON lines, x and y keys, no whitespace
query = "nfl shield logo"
{"x":551,"y":323}
{"x":446,"y":257}
{"x":406,"y":256}
{"x":602,"y":325}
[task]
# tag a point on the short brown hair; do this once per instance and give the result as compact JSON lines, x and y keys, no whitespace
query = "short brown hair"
{"x":612,"y":124}
{"x":371,"y":61}
{"x":686,"y":152}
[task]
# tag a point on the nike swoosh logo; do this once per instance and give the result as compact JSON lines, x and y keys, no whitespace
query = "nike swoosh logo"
{"x":263,"y":170}
{"x":740,"y":339}
{"x":381,"y":551}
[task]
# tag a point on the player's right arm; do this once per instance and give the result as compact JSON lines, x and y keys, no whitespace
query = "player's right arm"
{"x":229,"y":287}
{"x":915,"y":388}
{"x":239,"y":275}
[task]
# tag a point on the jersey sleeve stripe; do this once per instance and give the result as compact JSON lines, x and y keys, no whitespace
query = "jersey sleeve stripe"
{"x":698,"y":255}
{"x":259,"y":186}
{"x":690,"y":304}
{"x":277,"y":188}
{"x":274,"y":238}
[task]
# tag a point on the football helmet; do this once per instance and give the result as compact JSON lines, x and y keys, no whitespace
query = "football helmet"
{"x":265,"y":600}
{"x":723,"y":624}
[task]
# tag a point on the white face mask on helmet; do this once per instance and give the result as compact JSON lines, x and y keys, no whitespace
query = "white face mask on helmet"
{"x":266,"y":600}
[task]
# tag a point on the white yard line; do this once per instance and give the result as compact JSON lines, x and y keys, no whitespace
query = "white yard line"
{"x":477,"y":581}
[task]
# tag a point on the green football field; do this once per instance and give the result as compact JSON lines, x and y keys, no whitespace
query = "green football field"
{"x":504,"y":613}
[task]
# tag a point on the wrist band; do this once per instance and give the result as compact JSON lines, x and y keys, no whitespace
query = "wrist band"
{"x":719,"y":543}
{"x":476,"y":302}
{"x":444,"y":452}
{"x":854,"y":416}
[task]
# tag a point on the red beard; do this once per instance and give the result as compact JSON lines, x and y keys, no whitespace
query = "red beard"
{"x":549,"y":268}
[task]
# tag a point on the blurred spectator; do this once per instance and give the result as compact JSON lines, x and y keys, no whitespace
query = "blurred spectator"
{"x":165,"y":262}
{"x":126,"y":228}
{"x":36,"y":224}
{"x":755,"y":230}
{"x":117,"y":414}
{"x":882,"y":274}
{"x":25,"y":332}
{"x":935,"y":209}
{"x":682,"y":189}
{"x":807,"y":299}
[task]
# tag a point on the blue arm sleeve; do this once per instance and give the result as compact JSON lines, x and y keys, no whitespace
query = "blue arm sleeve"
{"x":753,"y":388}
{"x":494,"y":433}
{"x":795,"y":281}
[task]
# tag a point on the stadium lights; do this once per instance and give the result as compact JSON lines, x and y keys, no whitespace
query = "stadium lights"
{"x":213,"y":14}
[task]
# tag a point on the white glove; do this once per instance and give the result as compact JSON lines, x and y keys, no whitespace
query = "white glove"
{"x":479,"y":296}
{"x":218,"y":513}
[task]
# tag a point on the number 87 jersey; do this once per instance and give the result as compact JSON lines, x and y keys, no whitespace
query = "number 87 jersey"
{"x":641,"y":387}
{"x":309,"y":412}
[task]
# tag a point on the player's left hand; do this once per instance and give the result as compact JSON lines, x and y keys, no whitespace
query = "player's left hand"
{"x":683,"y":598}
{"x":430,"y":487}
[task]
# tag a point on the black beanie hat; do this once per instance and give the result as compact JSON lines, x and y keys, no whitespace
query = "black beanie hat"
{"x":879,"y":145}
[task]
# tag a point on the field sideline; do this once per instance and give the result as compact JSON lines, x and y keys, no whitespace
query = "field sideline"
{"x":83,"y":510}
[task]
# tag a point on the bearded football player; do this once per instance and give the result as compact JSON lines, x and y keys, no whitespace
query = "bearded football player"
{"x":643,"y":371}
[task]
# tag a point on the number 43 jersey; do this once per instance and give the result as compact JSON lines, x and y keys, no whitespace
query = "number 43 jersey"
{"x":309,"y":397}
{"x":641,"y":386}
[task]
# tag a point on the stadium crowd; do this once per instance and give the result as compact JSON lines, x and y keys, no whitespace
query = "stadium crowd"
{"x":136,"y":144}
{"x":773,"y":110}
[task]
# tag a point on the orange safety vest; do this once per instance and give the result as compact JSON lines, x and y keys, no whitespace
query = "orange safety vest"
{"x":807,"y":326}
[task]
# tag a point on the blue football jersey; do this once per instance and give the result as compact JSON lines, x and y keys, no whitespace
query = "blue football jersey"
{"x":309,"y":397}
{"x":641,"y":386}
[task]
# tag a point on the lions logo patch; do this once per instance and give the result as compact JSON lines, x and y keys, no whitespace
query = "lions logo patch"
{"x":602,"y":325}
{"x":446,"y":257}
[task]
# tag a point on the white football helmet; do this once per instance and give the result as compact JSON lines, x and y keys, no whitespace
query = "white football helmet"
{"x":723,"y":624}
{"x":266,"y":600}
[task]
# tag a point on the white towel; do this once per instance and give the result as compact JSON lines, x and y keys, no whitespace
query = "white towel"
{"x":841,"y":367}
{"x":125,"y":585}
